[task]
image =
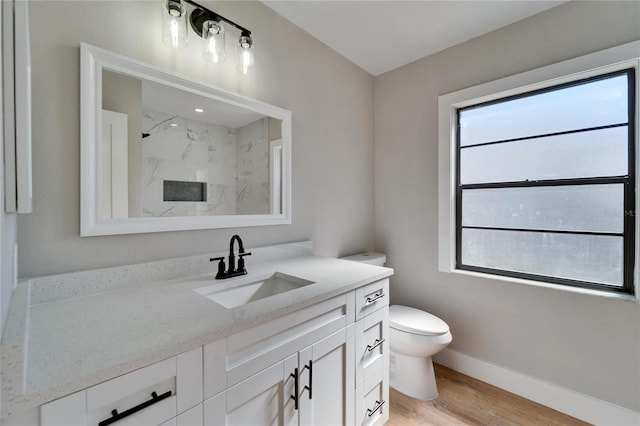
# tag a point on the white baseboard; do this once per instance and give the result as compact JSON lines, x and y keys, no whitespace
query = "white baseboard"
{"x":573,"y":403}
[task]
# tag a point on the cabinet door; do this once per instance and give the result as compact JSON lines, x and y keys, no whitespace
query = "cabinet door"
{"x":327,"y":380}
{"x":263,"y":399}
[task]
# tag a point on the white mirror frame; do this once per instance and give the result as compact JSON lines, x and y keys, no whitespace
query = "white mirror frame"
{"x":92,"y":62}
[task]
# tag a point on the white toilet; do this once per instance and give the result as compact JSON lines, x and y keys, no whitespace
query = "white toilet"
{"x":415,"y":336}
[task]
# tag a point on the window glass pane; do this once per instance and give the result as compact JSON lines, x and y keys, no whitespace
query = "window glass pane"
{"x":595,"y":208}
{"x":593,"y":104}
{"x":590,"y":258}
{"x":585,"y":154}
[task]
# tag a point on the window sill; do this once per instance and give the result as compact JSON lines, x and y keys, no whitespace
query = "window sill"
{"x":578,"y":290}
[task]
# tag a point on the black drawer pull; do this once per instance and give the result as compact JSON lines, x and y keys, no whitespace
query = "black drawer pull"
{"x":295,"y":396}
{"x":377,"y":343}
{"x":115,"y":416}
{"x":376,"y":407}
{"x":374,"y":299}
{"x":310,"y":387}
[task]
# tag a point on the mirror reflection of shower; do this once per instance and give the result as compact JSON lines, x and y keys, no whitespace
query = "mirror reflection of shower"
{"x":162,"y":157}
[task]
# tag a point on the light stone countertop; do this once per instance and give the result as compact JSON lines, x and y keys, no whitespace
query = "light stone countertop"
{"x":55,"y":348}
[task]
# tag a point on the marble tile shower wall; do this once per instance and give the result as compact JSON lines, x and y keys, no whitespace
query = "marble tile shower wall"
{"x":234,"y":163}
{"x":252,"y":158}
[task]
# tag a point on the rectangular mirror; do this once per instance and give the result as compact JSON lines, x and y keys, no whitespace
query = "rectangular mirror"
{"x":160,"y":153}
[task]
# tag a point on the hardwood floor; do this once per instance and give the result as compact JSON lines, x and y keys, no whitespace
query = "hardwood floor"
{"x":467,"y":401}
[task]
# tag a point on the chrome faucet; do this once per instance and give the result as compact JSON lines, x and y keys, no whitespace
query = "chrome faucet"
{"x":232,"y":271}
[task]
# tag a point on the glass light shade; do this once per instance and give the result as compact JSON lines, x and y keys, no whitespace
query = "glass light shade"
{"x":213,"y":48}
{"x":174,"y":24}
{"x":246,"y":61}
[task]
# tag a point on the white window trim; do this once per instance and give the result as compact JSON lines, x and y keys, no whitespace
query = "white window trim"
{"x":610,"y":60}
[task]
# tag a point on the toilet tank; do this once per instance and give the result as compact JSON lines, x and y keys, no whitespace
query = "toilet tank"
{"x":372,"y":258}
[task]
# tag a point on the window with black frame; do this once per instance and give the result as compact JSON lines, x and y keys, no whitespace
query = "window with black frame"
{"x":546,"y":185}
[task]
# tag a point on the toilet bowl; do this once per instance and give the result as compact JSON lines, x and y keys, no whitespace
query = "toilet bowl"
{"x":414,"y":337}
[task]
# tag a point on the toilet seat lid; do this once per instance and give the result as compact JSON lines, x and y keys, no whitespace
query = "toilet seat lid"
{"x":416,"y":321}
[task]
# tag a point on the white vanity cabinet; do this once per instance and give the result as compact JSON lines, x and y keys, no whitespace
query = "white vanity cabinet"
{"x":150,"y":396}
{"x":372,"y":354}
{"x":327,"y":364}
{"x":346,"y":370}
{"x":322,"y":372}
{"x":311,"y":350}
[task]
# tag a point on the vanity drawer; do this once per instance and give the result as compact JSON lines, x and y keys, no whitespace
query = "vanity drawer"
{"x":372,"y":344}
{"x":372,"y":297}
{"x":152,"y":395}
{"x":372,"y":400}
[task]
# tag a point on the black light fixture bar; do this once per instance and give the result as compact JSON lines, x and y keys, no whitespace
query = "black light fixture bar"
{"x":202,"y":14}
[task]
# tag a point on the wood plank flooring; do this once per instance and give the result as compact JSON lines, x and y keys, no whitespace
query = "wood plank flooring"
{"x":466,"y":401}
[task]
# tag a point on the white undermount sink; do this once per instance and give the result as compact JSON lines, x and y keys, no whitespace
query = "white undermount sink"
{"x":247,"y":291}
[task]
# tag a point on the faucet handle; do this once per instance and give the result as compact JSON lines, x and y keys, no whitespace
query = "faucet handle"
{"x":221,"y":273}
{"x":241,"y":267}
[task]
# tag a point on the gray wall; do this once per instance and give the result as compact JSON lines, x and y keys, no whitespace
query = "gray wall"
{"x":584,"y":343}
{"x":331,"y":100}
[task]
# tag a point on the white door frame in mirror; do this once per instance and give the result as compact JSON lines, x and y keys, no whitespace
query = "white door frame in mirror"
{"x":93,"y":60}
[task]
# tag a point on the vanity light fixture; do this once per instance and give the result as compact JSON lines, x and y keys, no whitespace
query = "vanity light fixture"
{"x":246,"y":60}
{"x":198,"y":110}
{"x":213,"y":48}
{"x":208,"y":25}
{"x":174,"y":24}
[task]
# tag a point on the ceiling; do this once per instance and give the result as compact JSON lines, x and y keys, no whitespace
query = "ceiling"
{"x":382,"y":35}
{"x":170,"y":100}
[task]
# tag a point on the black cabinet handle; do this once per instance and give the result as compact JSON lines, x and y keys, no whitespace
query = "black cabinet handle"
{"x":371,"y":411}
{"x":115,"y":416}
{"x":296,"y":389}
{"x":377,"y":343}
{"x":374,"y":299}
{"x":310,"y":387}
